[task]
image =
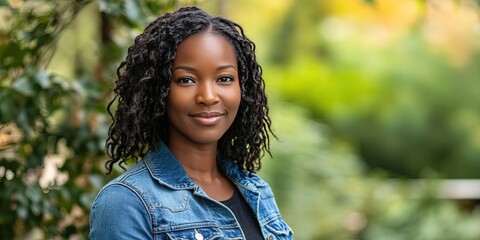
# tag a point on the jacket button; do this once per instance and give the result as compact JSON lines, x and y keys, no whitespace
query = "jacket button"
{"x":270,"y":237}
{"x":198,"y":236}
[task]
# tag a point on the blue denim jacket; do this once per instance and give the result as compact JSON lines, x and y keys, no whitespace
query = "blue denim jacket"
{"x":156,"y":199}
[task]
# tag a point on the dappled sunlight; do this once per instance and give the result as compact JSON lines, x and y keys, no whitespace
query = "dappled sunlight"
{"x":452,"y":27}
{"x":375,"y":24}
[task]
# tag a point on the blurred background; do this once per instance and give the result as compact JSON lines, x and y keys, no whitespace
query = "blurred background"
{"x":376,"y":104}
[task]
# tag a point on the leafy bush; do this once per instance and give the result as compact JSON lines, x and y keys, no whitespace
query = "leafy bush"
{"x":324,"y":191}
{"x":53,"y":128}
{"x":384,"y":81}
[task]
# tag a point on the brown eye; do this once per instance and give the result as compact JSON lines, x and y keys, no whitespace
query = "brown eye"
{"x":225,"y":79}
{"x":185,"y":80}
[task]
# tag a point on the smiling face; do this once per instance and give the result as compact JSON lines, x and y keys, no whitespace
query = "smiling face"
{"x":204,"y":92}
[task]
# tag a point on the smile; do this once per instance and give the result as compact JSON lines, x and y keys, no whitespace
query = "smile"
{"x":207,"y":118}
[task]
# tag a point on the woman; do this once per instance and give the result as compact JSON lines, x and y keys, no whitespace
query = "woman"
{"x":192,"y":112}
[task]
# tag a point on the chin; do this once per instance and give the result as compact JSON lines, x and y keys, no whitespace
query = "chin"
{"x":205,"y":140}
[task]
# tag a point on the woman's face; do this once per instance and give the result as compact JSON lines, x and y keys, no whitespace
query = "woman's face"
{"x":204,"y":91}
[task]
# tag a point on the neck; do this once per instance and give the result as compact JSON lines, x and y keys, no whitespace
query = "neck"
{"x":200,"y":164}
{"x":199,"y":161}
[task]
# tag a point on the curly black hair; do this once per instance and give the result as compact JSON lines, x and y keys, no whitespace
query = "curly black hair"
{"x":143,"y":84}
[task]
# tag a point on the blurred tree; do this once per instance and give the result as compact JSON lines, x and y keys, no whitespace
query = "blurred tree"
{"x":397,"y":79}
{"x":323,"y":190}
{"x":53,"y":127}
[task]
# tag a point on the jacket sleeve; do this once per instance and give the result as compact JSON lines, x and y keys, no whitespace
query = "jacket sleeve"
{"x":119,"y":213}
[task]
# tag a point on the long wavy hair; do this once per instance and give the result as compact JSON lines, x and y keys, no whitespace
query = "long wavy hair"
{"x":140,"y":120}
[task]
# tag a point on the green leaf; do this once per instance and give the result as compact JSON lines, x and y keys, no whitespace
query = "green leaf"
{"x":4,"y":3}
{"x":7,"y":106}
{"x":23,"y":86}
{"x":133,"y":11}
{"x":110,"y":7}
{"x":22,"y":212}
{"x":43,"y":79}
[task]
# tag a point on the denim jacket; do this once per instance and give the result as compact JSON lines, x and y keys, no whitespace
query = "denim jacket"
{"x":156,"y":199}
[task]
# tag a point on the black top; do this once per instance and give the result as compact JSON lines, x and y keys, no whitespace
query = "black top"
{"x":246,"y":218}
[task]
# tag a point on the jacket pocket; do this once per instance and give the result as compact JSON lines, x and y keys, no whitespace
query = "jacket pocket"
{"x":201,"y":233}
{"x":278,"y":229}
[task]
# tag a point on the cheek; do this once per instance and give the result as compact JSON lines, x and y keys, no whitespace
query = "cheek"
{"x":175,"y":104}
{"x":178,"y":97}
{"x":235,"y":98}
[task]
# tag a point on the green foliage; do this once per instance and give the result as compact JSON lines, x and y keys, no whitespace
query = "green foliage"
{"x":399,"y":109}
{"x":404,"y":104}
{"x":135,"y":14}
{"x":32,"y":102}
{"x":323,"y":190}
{"x":53,"y":129}
{"x":34,"y":117}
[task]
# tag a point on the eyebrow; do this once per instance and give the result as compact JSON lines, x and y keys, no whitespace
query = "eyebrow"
{"x":188,"y":68}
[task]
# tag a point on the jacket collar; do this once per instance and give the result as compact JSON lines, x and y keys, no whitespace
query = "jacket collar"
{"x":165,"y":168}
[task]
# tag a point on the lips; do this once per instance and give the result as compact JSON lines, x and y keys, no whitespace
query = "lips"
{"x":207,"y":118}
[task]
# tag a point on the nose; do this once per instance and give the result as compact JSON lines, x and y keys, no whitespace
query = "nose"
{"x":207,"y":94}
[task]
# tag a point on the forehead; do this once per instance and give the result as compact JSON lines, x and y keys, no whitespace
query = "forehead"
{"x":205,"y":47}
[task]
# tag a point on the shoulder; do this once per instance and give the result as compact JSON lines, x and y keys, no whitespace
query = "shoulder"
{"x":121,"y":191}
{"x":124,"y":188}
{"x":119,"y":213}
{"x":135,"y":180}
{"x":116,"y":194}
{"x":119,"y":210}
{"x":263,"y":188}
{"x":255,"y":179}
{"x":254,"y":182}
{"x":242,"y":177}
{"x":269,"y":214}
